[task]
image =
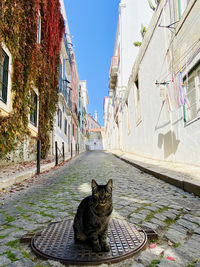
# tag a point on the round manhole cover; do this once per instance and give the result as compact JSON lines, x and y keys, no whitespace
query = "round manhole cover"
{"x":57,"y":242}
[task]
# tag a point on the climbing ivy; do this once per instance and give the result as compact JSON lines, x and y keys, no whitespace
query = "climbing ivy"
{"x":33,"y":64}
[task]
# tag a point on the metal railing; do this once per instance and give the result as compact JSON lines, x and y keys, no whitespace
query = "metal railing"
{"x":67,"y":95}
{"x":68,"y":49}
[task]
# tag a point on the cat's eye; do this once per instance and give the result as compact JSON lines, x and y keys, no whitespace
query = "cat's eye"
{"x":96,"y":195}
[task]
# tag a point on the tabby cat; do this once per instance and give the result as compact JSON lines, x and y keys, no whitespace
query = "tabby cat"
{"x":92,"y":217}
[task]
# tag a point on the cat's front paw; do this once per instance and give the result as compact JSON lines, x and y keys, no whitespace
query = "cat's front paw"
{"x":96,"y":248}
{"x":105,"y":247}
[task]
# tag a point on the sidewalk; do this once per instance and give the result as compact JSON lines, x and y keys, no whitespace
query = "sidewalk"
{"x":16,"y":173}
{"x":183,"y":176}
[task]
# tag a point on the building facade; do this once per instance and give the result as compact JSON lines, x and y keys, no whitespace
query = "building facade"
{"x":132,"y":14}
{"x":61,"y":133}
{"x":83,"y":103}
{"x":28,"y":97}
{"x":160,"y":107}
{"x":34,"y":104}
{"x":95,"y":136}
{"x":69,"y":119}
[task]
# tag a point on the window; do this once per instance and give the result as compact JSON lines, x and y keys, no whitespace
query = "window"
{"x":65,"y":129}
{"x":4,"y":63}
{"x":59,"y":115}
{"x":34,"y":108}
{"x":137,"y":101}
{"x":60,"y":78}
{"x":192,"y":93}
{"x":182,"y":5}
{"x":39,"y":29}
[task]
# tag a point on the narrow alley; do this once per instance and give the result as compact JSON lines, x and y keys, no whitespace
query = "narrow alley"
{"x":138,"y":198}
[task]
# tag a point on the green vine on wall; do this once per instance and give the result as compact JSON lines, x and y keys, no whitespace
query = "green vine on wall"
{"x":32,"y":63}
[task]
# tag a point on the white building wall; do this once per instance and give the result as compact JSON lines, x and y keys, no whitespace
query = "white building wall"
{"x":161,"y":133}
{"x":132,"y":15}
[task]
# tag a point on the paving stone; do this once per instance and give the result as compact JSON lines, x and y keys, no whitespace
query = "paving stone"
{"x":7,"y":239}
{"x":167,"y":263}
{"x":25,"y":224}
{"x":3,"y":249}
{"x":7,"y":231}
{"x":197,"y":231}
{"x":137,"y":265}
{"x":4,"y":260}
{"x":145,"y":258}
{"x":191,"y":218}
{"x":152,"y":208}
{"x":187,"y":224}
{"x":158,"y":222}
{"x":144,"y":212}
{"x":195,"y":237}
{"x":137,"y":218}
{"x":2,"y":219}
{"x":57,"y":193}
{"x":175,"y":207}
{"x":190,"y":248}
{"x":174,"y":236}
{"x":55,"y":263}
{"x":160,"y":216}
{"x":178,"y":228}
{"x":169,"y":215}
{"x":18,"y":233}
{"x":22,"y":263}
{"x":150,"y":225}
{"x":40,"y":219}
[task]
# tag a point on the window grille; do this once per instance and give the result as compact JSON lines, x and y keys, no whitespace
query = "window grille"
{"x":4,"y":63}
{"x":192,"y":94}
{"x":33,"y":114}
{"x":59,"y":116}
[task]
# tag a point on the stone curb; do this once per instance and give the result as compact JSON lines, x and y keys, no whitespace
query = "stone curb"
{"x":23,"y":175}
{"x":190,"y":186}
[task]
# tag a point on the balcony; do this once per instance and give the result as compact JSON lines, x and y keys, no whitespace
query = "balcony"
{"x":74,"y":109}
{"x":66,"y":94}
{"x":113,"y":72}
{"x":68,"y":49}
{"x":116,"y":106}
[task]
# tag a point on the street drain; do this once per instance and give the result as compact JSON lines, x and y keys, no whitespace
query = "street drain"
{"x":56,"y":242}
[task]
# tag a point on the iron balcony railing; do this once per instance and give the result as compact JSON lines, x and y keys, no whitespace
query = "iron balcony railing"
{"x":67,"y":95}
{"x":68,"y":48}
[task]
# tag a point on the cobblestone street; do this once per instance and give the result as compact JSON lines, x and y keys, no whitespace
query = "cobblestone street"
{"x":138,"y":198}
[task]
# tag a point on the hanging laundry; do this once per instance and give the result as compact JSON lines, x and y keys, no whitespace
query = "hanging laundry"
{"x":169,"y":98}
{"x":176,"y":92}
{"x":182,"y":99}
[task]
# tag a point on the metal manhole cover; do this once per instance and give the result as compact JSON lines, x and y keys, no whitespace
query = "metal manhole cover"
{"x":57,"y":242}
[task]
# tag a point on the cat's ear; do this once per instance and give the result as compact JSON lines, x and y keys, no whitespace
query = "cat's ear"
{"x":94,"y":184}
{"x":109,"y":184}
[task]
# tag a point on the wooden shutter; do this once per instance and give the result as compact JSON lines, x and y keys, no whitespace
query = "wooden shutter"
{"x":5,"y":76}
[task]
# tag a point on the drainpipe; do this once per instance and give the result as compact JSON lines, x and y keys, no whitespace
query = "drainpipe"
{"x":121,"y":7}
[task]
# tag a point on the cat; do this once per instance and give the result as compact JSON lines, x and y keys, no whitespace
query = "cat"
{"x":92,"y":218}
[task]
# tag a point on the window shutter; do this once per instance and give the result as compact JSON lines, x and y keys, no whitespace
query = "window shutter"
{"x":191,"y":105}
{"x":5,"y":77}
{"x":60,"y":78}
{"x":35,"y":111}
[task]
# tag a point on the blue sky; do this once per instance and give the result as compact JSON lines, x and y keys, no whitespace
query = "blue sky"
{"x":93,"y":24}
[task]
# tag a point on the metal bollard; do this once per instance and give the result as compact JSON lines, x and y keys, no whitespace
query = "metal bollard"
{"x":38,"y":155}
{"x":63,"y":151}
{"x":56,"y":150}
